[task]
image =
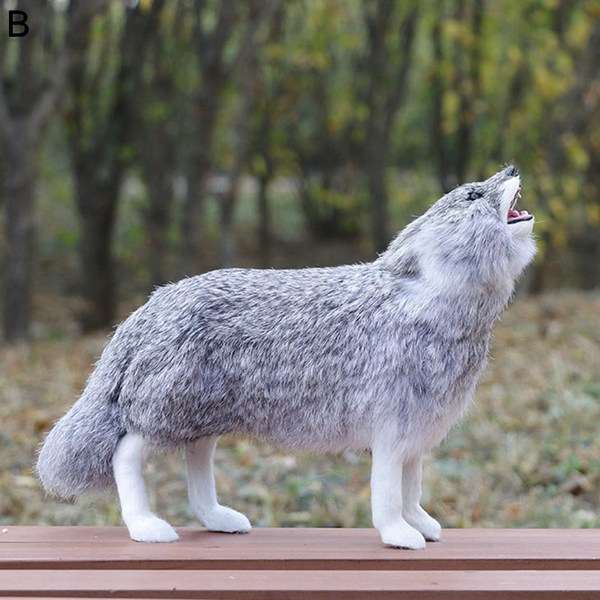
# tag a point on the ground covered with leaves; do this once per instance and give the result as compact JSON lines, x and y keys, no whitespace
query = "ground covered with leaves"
{"x":527,"y":455}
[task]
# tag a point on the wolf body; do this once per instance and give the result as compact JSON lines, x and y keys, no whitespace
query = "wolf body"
{"x":382,"y":356}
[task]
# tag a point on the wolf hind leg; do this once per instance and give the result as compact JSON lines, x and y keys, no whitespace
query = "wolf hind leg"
{"x":202,"y":492}
{"x":142,"y":523}
{"x":412,"y":511}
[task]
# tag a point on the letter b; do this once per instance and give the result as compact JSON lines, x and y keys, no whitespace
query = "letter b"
{"x":17,"y":18}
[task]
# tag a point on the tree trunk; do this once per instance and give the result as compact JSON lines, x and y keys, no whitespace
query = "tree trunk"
{"x":264,"y":221}
{"x":227,"y":245}
{"x":386,"y":75}
{"x":27,"y":101}
{"x":97,"y":205}
{"x":469,"y":91}
{"x":377,"y":152}
{"x":19,"y":197}
{"x":198,"y":172}
{"x":228,"y":200}
{"x":586,"y":248}
{"x":191,"y":221}
{"x":214,"y":72}
{"x":158,"y":218}
{"x":99,"y":128}
{"x":437,"y":91}
{"x":157,"y":138}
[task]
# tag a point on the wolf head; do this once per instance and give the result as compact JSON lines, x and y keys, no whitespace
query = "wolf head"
{"x":474,"y":236}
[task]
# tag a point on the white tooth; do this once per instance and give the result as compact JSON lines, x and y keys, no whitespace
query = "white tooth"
{"x":509,"y":195}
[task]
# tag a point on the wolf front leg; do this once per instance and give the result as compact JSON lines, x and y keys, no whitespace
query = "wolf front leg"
{"x":411,"y":501}
{"x":387,"y":500}
{"x":143,"y":524}
{"x":202,"y":493}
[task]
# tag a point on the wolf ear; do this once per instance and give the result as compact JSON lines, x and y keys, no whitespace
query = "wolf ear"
{"x":401,"y":257}
{"x":408,"y":266}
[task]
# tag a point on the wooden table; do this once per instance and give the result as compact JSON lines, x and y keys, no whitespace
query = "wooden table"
{"x":103,"y":562}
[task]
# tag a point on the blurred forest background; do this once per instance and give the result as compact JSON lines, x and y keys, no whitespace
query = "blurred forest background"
{"x":142,"y":141}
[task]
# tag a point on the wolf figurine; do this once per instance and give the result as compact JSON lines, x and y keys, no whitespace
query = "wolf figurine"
{"x":382,"y":356}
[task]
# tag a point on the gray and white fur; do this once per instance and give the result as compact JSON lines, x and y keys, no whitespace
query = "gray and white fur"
{"x":382,"y":356}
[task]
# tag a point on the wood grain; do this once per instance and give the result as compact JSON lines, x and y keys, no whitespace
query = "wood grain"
{"x":298,"y":549}
{"x":100,"y":562}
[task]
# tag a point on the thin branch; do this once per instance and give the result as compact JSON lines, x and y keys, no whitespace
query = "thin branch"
{"x":5,"y":116}
{"x":81,"y":14}
{"x":260,"y":12}
{"x":407,"y":34}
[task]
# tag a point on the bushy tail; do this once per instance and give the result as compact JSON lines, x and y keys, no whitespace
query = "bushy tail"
{"x":77,"y":454}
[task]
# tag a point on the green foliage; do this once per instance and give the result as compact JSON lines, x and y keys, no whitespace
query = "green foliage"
{"x":508,"y":79}
{"x":489,"y":83}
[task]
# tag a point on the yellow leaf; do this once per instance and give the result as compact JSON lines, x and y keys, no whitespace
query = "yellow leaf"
{"x":145,"y":5}
{"x":559,"y":237}
{"x":515,"y":54}
{"x":593,"y":214}
{"x":579,"y":33}
{"x":451,"y":105}
{"x":548,"y":84}
{"x":453,"y":29}
{"x":572,"y":190}
{"x":558,"y":209}
{"x":576,"y":152}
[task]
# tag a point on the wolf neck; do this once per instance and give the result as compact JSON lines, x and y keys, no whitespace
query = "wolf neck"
{"x":468,"y":279}
{"x":454,"y":304}
{"x":460,"y":313}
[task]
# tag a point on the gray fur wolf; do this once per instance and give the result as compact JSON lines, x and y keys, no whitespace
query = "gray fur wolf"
{"x":382,"y":356}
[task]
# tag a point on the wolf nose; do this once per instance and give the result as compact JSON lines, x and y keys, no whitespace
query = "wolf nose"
{"x":512,"y":171}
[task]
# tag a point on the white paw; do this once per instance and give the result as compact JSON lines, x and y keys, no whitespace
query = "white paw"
{"x":427,"y":525}
{"x":402,"y":535}
{"x":226,"y":520}
{"x":149,"y":528}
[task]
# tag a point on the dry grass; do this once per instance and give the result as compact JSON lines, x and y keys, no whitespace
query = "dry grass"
{"x":527,"y":455}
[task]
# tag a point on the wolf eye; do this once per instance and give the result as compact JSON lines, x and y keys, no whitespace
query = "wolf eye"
{"x":474,"y":195}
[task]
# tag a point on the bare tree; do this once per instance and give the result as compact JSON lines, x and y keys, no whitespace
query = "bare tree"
{"x":454,"y":152}
{"x":98,"y":121}
{"x":28,"y":98}
{"x":215,"y":70}
{"x":390,"y":28}
{"x":157,"y":126}
{"x":225,"y":44}
{"x":260,"y":13}
{"x":264,"y":173}
{"x":579,"y":122}
{"x":322,"y":157}
{"x":269,"y":83}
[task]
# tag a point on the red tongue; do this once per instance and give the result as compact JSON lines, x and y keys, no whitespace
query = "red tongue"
{"x":513,"y":214}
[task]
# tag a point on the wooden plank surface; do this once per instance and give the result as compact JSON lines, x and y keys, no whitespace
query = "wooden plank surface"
{"x":267,"y":584}
{"x":85,"y":548}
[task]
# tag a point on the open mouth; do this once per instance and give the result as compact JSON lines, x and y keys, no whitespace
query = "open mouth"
{"x":516,"y":216}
